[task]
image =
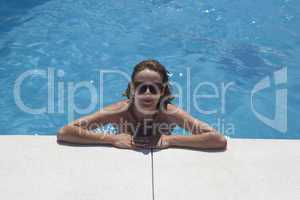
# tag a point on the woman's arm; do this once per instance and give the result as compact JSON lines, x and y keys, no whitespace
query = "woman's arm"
{"x":78,"y":135}
{"x":202,"y":141}
{"x":79,"y":131}
{"x":203,"y":136}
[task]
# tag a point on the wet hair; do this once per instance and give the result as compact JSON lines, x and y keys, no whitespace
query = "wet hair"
{"x":153,"y":65}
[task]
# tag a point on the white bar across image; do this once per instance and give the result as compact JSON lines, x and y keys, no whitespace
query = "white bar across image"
{"x":248,"y":170}
{"x":36,"y":167}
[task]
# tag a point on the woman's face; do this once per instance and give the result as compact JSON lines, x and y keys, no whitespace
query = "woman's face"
{"x":147,"y":89}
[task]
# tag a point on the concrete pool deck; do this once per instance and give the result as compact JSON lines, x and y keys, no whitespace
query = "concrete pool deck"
{"x":37,"y":167}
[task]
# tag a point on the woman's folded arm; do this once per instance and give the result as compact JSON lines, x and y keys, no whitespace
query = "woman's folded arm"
{"x":203,"y":136}
{"x":208,"y":140}
{"x":79,"y":135}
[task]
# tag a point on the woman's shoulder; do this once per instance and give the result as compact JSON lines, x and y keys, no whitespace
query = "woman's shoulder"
{"x":117,"y":107}
{"x":174,"y":113}
{"x":172,"y":109}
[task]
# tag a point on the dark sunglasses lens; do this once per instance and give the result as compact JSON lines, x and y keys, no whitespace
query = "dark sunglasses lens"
{"x":142,"y":89}
{"x":154,"y":88}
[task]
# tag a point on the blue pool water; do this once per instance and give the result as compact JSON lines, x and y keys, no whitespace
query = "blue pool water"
{"x":241,"y":53}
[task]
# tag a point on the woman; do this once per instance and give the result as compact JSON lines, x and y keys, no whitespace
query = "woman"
{"x":145,"y":119}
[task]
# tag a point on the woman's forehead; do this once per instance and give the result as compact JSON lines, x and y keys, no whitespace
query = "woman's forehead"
{"x":148,"y":75}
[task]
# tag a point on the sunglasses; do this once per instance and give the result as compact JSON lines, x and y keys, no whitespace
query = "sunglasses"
{"x":154,"y":87}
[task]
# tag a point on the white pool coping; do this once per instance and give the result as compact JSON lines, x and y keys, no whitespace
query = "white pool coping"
{"x":36,"y":167}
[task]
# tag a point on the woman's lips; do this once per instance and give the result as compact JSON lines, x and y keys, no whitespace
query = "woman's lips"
{"x":147,"y":101}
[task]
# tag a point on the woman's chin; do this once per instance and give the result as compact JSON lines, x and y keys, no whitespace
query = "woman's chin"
{"x":147,"y":107}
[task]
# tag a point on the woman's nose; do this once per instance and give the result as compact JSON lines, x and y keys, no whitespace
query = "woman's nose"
{"x":148,"y":90}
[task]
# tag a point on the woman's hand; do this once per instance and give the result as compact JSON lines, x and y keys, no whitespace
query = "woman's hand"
{"x":124,"y":141}
{"x":163,"y":142}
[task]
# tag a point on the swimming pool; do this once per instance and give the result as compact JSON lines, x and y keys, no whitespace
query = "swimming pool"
{"x":233,"y":64}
